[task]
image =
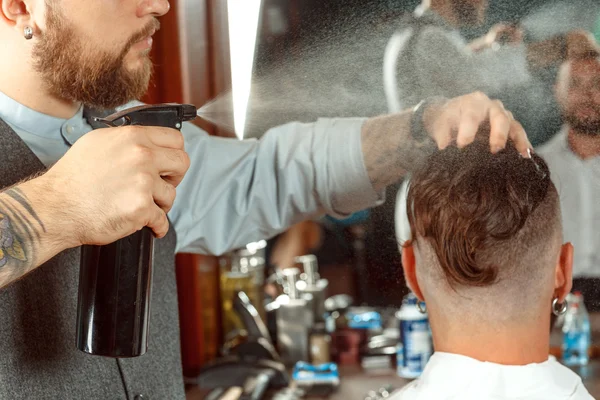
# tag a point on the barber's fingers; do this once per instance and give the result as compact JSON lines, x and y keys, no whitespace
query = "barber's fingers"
{"x":165,"y":137}
{"x":460,"y":119}
{"x":164,"y":194}
{"x":468,"y":127}
{"x":519,"y":137}
{"x":158,"y":222}
{"x":500,"y":124}
{"x":504,"y":127}
{"x":171,"y":164}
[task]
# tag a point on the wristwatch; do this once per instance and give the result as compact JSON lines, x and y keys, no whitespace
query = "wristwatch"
{"x":417,"y":126}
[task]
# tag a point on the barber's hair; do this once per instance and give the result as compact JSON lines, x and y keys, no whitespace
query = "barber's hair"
{"x":483,"y":214}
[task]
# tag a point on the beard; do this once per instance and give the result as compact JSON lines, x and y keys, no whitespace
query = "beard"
{"x":467,"y":12}
{"x":76,"y":72}
{"x":584,"y":126}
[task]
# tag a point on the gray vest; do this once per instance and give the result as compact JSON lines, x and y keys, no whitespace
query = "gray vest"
{"x":38,"y":358}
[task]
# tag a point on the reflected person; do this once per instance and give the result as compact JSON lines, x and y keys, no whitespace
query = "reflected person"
{"x":573,"y":156}
{"x":430,"y":56}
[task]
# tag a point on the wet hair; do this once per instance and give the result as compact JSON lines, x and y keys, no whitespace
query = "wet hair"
{"x":484,"y":215}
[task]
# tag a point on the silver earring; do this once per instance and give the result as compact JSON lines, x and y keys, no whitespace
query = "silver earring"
{"x":559,"y":308}
{"x":422,"y":307}
{"x":28,"y":32}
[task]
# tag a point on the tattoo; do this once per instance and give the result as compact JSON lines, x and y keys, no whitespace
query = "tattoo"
{"x":19,"y":219}
{"x":389,"y":150}
{"x":20,"y":233}
{"x":11,"y":245}
{"x":20,"y":197}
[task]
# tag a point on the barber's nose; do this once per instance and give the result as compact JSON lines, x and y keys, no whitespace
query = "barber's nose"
{"x":155,"y":8}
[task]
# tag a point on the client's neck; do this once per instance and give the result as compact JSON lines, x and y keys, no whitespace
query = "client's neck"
{"x":508,"y":344}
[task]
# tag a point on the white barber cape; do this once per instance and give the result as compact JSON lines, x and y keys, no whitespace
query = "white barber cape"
{"x":455,"y":377}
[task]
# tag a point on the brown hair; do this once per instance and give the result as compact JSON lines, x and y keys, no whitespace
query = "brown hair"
{"x":472,"y":208}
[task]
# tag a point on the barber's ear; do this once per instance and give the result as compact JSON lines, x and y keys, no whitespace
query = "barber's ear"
{"x":17,"y":13}
{"x":563,"y":278}
{"x":409,"y":265}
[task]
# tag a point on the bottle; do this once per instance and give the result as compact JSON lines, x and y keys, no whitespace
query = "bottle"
{"x":234,"y":278}
{"x":312,"y":283}
{"x":416,"y":346}
{"x":115,"y":280}
{"x":320,"y":346}
{"x":294,"y":322}
{"x":576,"y":333}
{"x":252,"y":259}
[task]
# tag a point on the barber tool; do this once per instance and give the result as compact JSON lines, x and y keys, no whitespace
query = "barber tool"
{"x":235,"y":277}
{"x":294,"y":321}
{"x":242,"y":270}
{"x":232,"y":371}
{"x":256,"y":387}
{"x":115,"y":280}
{"x":257,"y":344}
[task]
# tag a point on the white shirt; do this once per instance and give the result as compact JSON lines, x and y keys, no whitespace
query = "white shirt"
{"x":578,"y":184}
{"x":455,"y":377}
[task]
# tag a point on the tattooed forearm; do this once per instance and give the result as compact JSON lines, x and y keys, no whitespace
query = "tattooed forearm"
{"x":389,"y":150}
{"x":20,"y":197}
{"x":34,"y":227}
{"x":20,"y":234}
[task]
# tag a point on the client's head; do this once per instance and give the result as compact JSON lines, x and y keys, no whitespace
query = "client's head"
{"x":486,"y":250}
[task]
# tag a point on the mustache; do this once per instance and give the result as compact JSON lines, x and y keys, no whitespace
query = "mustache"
{"x":152,"y":27}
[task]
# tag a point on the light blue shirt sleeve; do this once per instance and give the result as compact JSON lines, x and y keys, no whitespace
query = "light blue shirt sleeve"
{"x":237,"y":192}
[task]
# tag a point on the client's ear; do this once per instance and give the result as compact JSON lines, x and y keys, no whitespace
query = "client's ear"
{"x":563,"y":278}
{"x":409,"y":265}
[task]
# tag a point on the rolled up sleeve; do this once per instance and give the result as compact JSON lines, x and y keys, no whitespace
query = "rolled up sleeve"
{"x":236,"y":192}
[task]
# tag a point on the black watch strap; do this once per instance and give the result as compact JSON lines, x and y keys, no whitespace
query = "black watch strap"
{"x":417,"y":127}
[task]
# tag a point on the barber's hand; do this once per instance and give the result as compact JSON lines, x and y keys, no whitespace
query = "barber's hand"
{"x":500,"y":34}
{"x":459,"y":119}
{"x":115,"y":181}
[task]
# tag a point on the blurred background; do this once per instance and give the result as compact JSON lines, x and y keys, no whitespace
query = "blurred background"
{"x":257,"y":64}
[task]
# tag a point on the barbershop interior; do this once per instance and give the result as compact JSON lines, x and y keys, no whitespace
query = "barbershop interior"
{"x":323,"y":309}
{"x":388,"y":302}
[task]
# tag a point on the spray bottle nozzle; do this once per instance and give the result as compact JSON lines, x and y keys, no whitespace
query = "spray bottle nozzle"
{"x":169,"y":115}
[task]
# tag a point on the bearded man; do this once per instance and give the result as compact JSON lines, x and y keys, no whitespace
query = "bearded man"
{"x":573,"y":156}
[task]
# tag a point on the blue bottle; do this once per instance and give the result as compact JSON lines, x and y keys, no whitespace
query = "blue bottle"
{"x":416,"y":346}
{"x":576,"y":333}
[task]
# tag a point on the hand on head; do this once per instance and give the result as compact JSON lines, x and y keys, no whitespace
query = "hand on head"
{"x":458,"y":120}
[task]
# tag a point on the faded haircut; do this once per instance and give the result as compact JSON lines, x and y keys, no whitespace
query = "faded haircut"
{"x":484,"y":219}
